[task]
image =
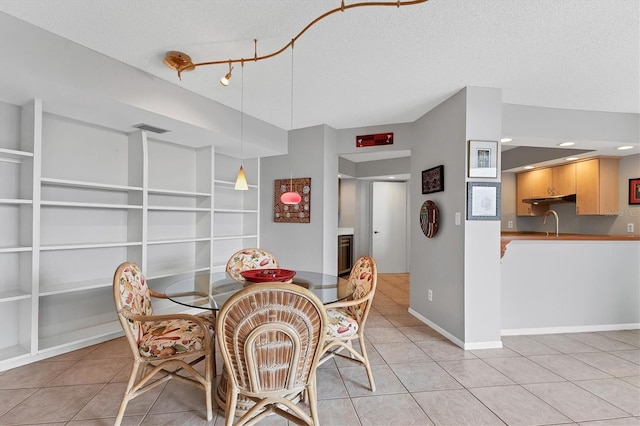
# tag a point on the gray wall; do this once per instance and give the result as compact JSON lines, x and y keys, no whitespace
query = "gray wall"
{"x":305,"y":246}
{"x":461,"y":264}
{"x":438,"y":263}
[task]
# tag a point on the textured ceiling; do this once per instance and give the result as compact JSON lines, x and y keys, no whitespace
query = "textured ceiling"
{"x":368,"y":66}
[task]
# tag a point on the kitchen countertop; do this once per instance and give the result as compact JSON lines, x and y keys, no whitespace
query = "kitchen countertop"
{"x":345,"y":231}
{"x":507,"y":237}
{"x":566,"y":237}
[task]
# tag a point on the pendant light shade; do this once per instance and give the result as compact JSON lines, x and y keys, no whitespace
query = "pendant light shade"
{"x":241,"y":181}
{"x":290,"y":197}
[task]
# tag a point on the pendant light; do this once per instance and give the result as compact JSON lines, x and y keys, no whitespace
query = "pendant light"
{"x":291,"y":197}
{"x":241,"y":180}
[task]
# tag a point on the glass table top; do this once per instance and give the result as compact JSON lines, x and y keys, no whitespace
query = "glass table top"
{"x":210,"y":291}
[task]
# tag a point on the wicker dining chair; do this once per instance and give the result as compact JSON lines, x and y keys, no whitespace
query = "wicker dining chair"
{"x":271,"y":336}
{"x":249,"y":258}
{"x":347,"y":318}
{"x":160,"y":343}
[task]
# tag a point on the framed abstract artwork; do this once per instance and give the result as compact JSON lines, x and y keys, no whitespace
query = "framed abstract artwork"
{"x":634,"y":191}
{"x":433,"y":180}
{"x":483,"y":200}
{"x":292,"y":213}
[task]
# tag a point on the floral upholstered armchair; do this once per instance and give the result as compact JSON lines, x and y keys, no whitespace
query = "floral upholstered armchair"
{"x":249,"y":258}
{"x":347,"y":318}
{"x":160,"y":343}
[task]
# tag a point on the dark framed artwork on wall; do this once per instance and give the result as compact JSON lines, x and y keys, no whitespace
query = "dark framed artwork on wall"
{"x":433,"y":180}
{"x":634,"y":191}
{"x":295,"y":213}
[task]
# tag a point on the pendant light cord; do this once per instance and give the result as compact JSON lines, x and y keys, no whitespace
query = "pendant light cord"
{"x":242,"y":113}
{"x":291,"y":124}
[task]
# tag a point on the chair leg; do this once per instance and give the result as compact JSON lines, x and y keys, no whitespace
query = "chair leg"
{"x":209,"y":369}
{"x":366,"y":363}
{"x":230,"y":407}
{"x":125,"y":398}
{"x":312,"y":396}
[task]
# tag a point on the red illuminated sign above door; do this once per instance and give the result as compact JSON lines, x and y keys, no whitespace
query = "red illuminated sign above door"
{"x":373,"y":140}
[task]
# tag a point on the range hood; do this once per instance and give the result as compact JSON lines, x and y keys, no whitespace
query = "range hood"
{"x":551,"y":199}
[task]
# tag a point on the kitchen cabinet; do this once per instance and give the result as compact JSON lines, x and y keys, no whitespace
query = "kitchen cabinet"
{"x":557,"y":180}
{"x":541,"y":182}
{"x":77,"y":199}
{"x":528,"y":185}
{"x":597,"y":181}
{"x":563,"y":179}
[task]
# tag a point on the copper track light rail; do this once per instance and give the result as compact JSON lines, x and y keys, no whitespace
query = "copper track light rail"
{"x":182,"y":62}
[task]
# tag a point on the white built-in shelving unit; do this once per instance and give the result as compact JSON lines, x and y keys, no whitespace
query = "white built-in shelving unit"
{"x":236,"y":223}
{"x":77,"y":199}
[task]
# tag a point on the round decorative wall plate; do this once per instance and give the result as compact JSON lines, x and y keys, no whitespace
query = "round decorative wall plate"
{"x":429,"y":218}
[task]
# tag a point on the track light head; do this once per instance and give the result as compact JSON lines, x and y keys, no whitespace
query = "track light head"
{"x":227,"y":77}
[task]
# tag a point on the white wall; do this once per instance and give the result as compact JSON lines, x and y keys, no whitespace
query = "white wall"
{"x":482,"y":238}
{"x":347,"y":201}
{"x":570,"y":286}
{"x":540,"y":122}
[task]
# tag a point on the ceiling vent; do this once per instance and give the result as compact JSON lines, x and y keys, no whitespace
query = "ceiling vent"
{"x":149,"y":128}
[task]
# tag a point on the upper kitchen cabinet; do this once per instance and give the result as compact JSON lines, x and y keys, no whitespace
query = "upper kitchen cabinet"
{"x":563,"y":179}
{"x":597,"y":186}
{"x":529,"y":185}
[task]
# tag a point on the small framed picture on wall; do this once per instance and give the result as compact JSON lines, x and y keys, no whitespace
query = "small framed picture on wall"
{"x":634,"y":191}
{"x":483,"y":159}
{"x":433,"y":180}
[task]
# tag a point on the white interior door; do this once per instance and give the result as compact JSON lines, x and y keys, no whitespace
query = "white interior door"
{"x":389,"y":226}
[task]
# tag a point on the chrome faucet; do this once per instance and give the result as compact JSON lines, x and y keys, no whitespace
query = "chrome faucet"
{"x":544,"y":220}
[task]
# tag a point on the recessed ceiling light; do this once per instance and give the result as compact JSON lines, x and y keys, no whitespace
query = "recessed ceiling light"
{"x":529,"y":167}
{"x":566,"y":143}
{"x":571,"y":158}
{"x":625,"y":147}
{"x":505,"y":140}
{"x":392,"y":177}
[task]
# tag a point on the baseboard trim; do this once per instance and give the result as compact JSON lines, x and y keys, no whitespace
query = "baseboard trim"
{"x":454,"y":339}
{"x":571,"y":329}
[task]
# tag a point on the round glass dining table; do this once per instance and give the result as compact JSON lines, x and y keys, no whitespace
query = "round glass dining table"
{"x":210,"y":291}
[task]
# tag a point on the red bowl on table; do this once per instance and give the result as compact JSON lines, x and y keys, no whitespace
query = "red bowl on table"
{"x":267,"y":275}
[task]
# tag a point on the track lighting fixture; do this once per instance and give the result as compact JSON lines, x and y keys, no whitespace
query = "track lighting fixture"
{"x":225,"y":80}
{"x":182,"y":62}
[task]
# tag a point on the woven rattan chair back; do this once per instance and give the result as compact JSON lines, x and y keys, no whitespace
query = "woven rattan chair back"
{"x":249,"y":258}
{"x":270,"y":336}
{"x":363,"y":279}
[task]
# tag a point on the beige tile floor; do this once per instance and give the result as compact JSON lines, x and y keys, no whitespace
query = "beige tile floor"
{"x":422,"y":379}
